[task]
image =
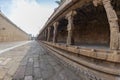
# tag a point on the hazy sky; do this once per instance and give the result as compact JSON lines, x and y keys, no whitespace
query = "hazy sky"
{"x":29,"y":15}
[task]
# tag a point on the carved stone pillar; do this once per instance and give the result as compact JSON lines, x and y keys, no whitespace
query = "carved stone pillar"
{"x":70,"y":27}
{"x":48,"y":33}
{"x":55,"y":32}
{"x":113,"y":22}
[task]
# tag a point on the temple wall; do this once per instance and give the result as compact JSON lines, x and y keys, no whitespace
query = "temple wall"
{"x":62,"y":36}
{"x":93,"y":33}
{"x":9,"y":32}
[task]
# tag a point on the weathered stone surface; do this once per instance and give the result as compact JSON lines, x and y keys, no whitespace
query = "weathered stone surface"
{"x":96,"y":26}
{"x":28,"y":78}
{"x":55,"y":32}
{"x":43,"y":67}
{"x":101,"y":61}
{"x":8,"y":77}
{"x":113,"y":22}
{"x":9,"y":60}
{"x":36,"y":64}
{"x":29,"y":69}
{"x":70,"y":27}
{"x":9,"y":31}
{"x":101,"y":55}
{"x":20,"y":72}
{"x":2,"y":73}
{"x":37,"y":73}
{"x":48,"y":35}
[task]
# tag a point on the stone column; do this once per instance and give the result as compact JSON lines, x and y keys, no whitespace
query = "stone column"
{"x":42,"y":36}
{"x":113,"y":22}
{"x":48,"y":34}
{"x":55,"y":32}
{"x":70,"y":27}
{"x":45,"y":34}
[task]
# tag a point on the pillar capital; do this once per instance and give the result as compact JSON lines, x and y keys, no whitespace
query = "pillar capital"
{"x":111,"y":14}
{"x":97,"y":2}
{"x":55,"y":24}
{"x":71,"y":14}
{"x":70,"y":17}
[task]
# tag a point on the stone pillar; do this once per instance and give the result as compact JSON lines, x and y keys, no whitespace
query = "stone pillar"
{"x":45,"y":34}
{"x":113,"y":22}
{"x":48,"y":34}
{"x":70,"y":27}
{"x":42,"y":36}
{"x":55,"y":32}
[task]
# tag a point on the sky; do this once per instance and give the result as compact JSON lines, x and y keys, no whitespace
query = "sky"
{"x":29,"y":15}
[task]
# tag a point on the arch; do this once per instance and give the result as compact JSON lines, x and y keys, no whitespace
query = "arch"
{"x":113,"y":22}
{"x":91,"y":27}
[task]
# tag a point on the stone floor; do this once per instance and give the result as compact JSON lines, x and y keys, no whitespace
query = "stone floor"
{"x":38,"y":64}
{"x":4,"y":45}
{"x":10,"y":59}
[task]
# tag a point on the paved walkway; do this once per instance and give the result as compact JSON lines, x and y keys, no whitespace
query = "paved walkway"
{"x":39,"y":65}
{"x":11,"y":58}
{"x":6,"y":46}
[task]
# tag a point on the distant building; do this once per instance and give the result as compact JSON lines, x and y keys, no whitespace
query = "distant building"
{"x":9,"y":31}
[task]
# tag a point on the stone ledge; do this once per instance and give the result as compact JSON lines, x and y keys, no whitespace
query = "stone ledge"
{"x":107,"y":55}
{"x":92,"y":67}
{"x":81,"y":70}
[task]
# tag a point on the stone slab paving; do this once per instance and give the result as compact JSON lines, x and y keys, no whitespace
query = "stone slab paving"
{"x":38,"y":64}
{"x":4,"y":45}
{"x":10,"y":60}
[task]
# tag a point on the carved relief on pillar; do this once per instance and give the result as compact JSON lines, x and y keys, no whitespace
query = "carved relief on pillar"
{"x":113,"y":22}
{"x":70,"y":27}
{"x":69,"y":17}
{"x":48,"y":35}
{"x":55,"y":31}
